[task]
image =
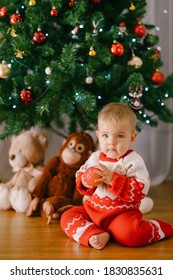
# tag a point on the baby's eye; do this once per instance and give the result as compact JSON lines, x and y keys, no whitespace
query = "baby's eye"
{"x":120,"y":136}
{"x":104,"y":135}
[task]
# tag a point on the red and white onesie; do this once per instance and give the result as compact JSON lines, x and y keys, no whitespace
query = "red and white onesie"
{"x":115,"y":208}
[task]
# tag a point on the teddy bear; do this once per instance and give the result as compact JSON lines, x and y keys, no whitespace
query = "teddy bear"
{"x":26,"y":157}
{"x":56,"y":191}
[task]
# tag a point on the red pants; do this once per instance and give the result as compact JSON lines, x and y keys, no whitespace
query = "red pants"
{"x":127,"y":227}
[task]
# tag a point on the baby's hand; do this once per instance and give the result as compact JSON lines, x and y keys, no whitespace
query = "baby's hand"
{"x":105,"y":173}
{"x":84,"y":183}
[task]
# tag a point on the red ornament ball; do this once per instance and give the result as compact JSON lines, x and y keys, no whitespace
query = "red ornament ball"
{"x":71,"y":3}
{"x":26,"y":96}
{"x":117,"y":49}
{"x":3,"y":11}
{"x":140,"y":30}
{"x":39,"y":37}
{"x":15,"y":18}
{"x":90,"y":176}
{"x":54,"y":12}
{"x":157,"y":78}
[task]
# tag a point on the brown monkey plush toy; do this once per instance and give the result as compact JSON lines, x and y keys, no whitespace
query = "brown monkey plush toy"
{"x":55,"y":191}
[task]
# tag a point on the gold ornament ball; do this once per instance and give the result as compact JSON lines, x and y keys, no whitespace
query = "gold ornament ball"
{"x":4,"y":70}
{"x":132,"y":7}
{"x":135,"y":61}
{"x":32,"y":3}
{"x":92,"y":52}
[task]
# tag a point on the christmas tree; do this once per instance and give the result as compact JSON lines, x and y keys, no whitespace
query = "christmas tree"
{"x":62,"y":60}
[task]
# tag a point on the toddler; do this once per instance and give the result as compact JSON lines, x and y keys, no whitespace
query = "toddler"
{"x":111,"y":209}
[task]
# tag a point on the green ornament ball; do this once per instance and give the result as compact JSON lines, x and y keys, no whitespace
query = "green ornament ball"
{"x":151,"y":40}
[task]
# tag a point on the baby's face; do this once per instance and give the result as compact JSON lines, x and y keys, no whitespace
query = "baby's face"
{"x":115,"y":137}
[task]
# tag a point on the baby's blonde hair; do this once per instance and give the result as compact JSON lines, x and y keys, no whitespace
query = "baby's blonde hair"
{"x":118,"y":111}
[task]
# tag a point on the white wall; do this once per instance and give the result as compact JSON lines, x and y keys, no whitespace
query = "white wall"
{"x":156,"y":144}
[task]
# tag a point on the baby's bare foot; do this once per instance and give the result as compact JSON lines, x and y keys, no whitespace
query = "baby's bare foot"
{"x":100,"y":240}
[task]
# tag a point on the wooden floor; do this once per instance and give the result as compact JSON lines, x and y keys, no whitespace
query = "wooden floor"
{"x":24,"y":238}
